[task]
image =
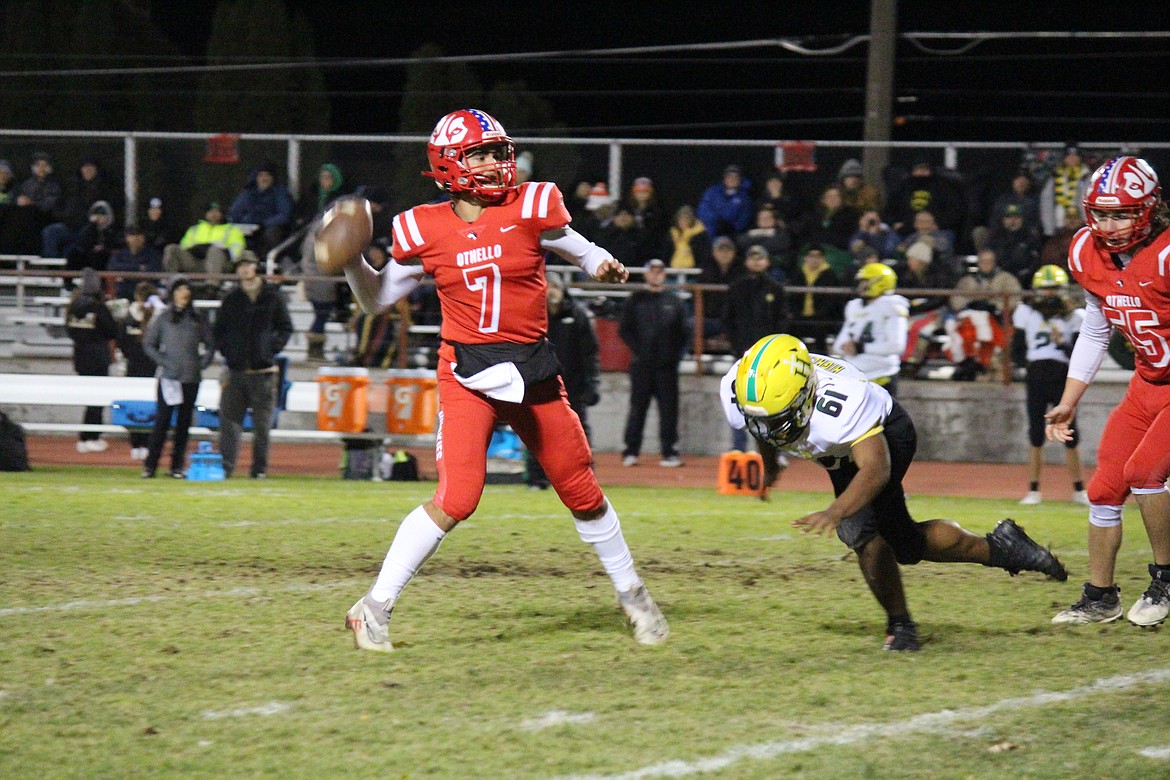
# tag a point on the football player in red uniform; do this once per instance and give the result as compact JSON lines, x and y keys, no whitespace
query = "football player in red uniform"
{"x":1122,"y":259}
{"x":485,"y":251}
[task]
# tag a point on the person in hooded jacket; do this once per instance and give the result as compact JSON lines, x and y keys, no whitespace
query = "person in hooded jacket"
{"x":92,"y":328}
{"x":179,"y":340}
{"x":266,"y":203}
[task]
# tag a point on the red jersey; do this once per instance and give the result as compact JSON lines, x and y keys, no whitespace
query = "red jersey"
{"x":1135,"y":300}
{"x":489,"y":273}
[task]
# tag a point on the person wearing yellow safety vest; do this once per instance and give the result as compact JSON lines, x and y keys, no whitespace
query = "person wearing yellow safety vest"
{"x":209,"y":246}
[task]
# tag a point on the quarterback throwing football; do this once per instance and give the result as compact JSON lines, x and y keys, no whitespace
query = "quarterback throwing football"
{"x":822,"y":409}
{"x":485,"y":250}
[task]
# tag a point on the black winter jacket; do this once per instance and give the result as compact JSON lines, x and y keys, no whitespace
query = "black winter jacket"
{"x":654,"y":326}
{"x":571,"y":332}
{"x":249,"y":334}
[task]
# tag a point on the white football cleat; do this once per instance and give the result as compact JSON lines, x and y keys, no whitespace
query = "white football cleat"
{"x":1080,"y":497}
{"x":1031,"y":498}
{"x":644,"y":616}
{"x":1152,"y":608}
{"x":368,"y":633}
{"x":630,"y":460}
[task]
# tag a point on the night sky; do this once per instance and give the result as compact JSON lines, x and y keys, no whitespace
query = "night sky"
{"x":1001,"y":90}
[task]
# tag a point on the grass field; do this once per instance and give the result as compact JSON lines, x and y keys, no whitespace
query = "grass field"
{"x":170,"y":629}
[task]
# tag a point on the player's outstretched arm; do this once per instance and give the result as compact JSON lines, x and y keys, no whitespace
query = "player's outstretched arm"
{"x":586,"y":255}
{"x":872,"y":456}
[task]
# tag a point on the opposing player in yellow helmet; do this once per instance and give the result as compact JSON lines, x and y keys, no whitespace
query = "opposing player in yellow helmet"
{"x":876,"y":327}
{"x":874,"y":279}
{"x":822,"y":409}
{"x":1047,"y":324}
{"x":774,"y":387}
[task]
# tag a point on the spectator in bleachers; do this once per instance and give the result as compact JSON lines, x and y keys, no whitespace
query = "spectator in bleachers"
{"x":921,"y":272}
{"x":789,"y":210}
{"x":36,"y":199}
{"x":726,"y":208}
{"x":928,"y":231}
{"x":266,"y":203}
{"x":976,"y":331}
{"x":1023,"y":196}
{"x":131,"y":331}
{"x":135,"y":256}
{"x":209,"y":246}
{"x":1063,"y":191}
{"x":1015,"y":244}
{"x":7,"y":183}
{"x":770,"y":233}
{"x":875,"y":235}
{"x":690,"y":243}
{"x":724,"y":267}
{"x":524,"y":165}
{"x":575,"y":202}
{"x":856,"y":192}
{"x":72,"y":212}
{"x":97,"y":240}
{"x":940,"y":193}
{"x":832,"y":221}
{"x":252,"y":326}
{"x":328,"y":187}
{"x":179,"y":340}
{"x":598,"y":209}
{"x":158,"y":227}
{"x":623,"y":238}
{"x":92,"y":329}
{"x":643,"y":204}
{"x":816,"y":317}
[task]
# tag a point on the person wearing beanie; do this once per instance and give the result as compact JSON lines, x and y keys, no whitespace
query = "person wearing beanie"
{"x":91,"y":328}
{"x":856,"y":193}
{"x":179,"y":341}
{"x":643,"y":204}
{"x":265,"y":203}
{"x":96,"y":241}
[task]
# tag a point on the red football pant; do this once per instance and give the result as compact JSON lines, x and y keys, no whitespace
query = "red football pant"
{"x":544,"y":421}
{"x":1135,"y":447}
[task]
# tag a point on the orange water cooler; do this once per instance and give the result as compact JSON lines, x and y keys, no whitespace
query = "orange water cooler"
{"x":341,"y":401}
{"x":412,"y":401}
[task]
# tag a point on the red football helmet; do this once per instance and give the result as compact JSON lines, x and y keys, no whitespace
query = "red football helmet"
{"x":1125,"y":188}
{"x":455,"y":137}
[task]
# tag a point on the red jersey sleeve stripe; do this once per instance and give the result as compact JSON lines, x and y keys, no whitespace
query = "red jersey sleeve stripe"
{"x":406,"y":232}
{"x":529,"y":200}
{"x":1074,"y":255}
{"x":545,"y":193}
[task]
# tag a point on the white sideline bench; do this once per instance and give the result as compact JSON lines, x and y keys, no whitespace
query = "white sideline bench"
{"x":78,"y":391}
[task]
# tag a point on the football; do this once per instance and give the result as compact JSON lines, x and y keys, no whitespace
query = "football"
{"x":346,"y":230}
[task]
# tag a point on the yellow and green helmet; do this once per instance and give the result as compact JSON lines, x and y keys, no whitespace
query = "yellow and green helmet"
{"x":775,"y":388}
{"x":1049,"y":277}
{"x":875,"y":279}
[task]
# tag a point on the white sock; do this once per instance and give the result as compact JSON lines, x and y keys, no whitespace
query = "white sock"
{"x":417,"y":539}
{"x":605,"y":534}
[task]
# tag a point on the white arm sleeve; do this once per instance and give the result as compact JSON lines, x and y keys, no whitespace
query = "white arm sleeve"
{"x":376,"y":291}
{"x":1092,"y":343}
{"x":727,"y":399}
{"x":570,"y":245}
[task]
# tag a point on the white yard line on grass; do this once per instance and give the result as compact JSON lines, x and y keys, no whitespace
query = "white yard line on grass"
{"x":850,"y":735}
{"x":156,"y":597}
{"x":271,"y":708}
{"x":556,"y":718}
{"x":1159,"y":753}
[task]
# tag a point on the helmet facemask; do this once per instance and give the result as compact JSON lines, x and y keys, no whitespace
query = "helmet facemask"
{"x":789,"y":425}
{"x":1124,"y":188}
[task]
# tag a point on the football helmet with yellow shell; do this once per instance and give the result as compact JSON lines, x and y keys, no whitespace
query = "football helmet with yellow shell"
{"x":775,"y":388}
{"x":1050,"y":277}
{"x":875,"y":280}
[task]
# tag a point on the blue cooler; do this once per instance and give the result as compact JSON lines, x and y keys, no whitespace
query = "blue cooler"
{"x":206,"y":464}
